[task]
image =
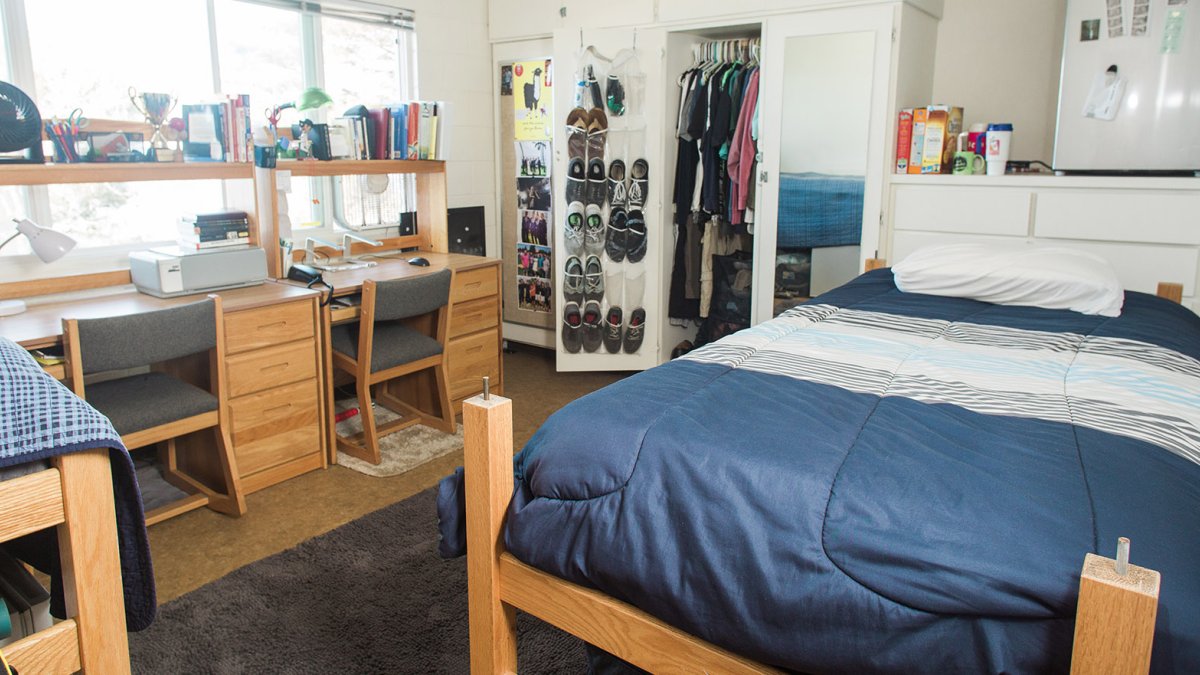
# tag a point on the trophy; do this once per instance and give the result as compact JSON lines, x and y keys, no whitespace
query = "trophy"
{"x":155,"y":108}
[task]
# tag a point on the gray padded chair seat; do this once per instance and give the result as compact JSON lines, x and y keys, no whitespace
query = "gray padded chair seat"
{"x":392,"y":345}
{"x":124,"y":401}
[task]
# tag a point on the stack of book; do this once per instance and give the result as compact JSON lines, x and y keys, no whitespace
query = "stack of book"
{"x":414,"y":130}
{"x":214,"y":230}
{"x":218,"y":132}
{"x":26,"y":602}
{"x":926,"y":137}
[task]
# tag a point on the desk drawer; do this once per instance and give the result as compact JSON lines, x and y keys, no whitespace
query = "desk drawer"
{"x":272,"y":367}
{"x":469,"y":359}
{"x":267,"y":326}
{"x":275,"y":426}
{"x":473,"y":284}
{"x":473,"y":316}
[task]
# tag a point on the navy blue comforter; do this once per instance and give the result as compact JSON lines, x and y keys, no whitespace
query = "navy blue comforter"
{"x":882,"y":482}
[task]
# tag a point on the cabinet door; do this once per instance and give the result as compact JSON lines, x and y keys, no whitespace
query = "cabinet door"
{"x":823,"y":109}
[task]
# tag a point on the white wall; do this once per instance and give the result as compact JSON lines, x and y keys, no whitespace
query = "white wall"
{"x":1000,"y":60}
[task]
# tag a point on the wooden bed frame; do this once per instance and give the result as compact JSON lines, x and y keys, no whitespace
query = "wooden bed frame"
{"x":1114,"y":623}
{"x":75,"y":495}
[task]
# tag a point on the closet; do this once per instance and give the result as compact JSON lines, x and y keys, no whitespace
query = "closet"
{"x":832,"y":74}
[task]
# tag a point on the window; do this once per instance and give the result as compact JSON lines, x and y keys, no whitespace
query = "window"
{"x":268,"y":49}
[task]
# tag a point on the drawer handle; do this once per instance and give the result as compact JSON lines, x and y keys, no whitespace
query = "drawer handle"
{"x":474,"y":349}
{"x":279,"y":408}
{"x":265,"y":326}
{"x":474,"y":284}
{"x":275,"y":366}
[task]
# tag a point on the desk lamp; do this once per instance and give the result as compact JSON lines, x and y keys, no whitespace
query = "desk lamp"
{"x":46,"y":244}
{"x":309,"y":99}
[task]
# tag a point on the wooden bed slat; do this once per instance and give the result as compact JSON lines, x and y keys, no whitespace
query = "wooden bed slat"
{"x":1114,"y":623}
{"x":30,"y":503}
{"x":54,"y":650}
{"x":614,"y":626}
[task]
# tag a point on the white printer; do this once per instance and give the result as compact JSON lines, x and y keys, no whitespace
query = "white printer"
{"x":171,"y":270}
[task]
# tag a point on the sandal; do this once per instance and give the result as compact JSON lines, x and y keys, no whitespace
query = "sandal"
{"x":595,"y":182}
{"x":576,"y":180}
{"x":618,"y":193}
{"x":597,"y":134}
{"x":577,"y":130}
{"x":639,"y":183}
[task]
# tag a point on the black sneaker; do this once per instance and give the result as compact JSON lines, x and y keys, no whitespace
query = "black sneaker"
{"x":576,"y":180}
{"x":635,"y":237}
{"x":639,"y":183}
{"x":614,"y":242}
{"x":618,"y":192}
{"x":636,"y":331}
{"x":592,"y":331}
{"x":593,"y":279}
{"x":597,"y":184}
{"x":572,"y":331}
{"x":612,"y":330}
{"x":573,"y":280}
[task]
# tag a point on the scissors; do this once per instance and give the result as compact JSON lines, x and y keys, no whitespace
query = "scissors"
{"x":76,"y":121}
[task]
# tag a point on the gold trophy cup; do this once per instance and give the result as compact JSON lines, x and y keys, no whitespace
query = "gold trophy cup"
{"x":156,"y":108}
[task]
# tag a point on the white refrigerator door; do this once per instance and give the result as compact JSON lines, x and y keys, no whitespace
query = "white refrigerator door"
{"x":1155,"y":128}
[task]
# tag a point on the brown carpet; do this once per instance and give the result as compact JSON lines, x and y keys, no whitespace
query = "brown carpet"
{"x":198,"y":547}
{"x":368,"y":597}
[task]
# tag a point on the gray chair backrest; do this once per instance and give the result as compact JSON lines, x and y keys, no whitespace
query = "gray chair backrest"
{"x":118,"y":342}
{"x":413,"y":296}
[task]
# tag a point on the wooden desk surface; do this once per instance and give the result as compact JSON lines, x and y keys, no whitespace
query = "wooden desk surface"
{"x":350,"y":281}
{"x":41,"y":325}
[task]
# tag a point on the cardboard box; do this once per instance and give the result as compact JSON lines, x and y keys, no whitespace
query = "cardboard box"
{"x":904,"y":130}
{"x":918,"y":140}
{"x":942,"y":126}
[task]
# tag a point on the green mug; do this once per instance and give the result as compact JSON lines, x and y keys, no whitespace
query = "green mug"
{"x":967,"y":163}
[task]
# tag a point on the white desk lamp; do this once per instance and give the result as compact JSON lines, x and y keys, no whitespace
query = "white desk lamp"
{"x":46,"y":244}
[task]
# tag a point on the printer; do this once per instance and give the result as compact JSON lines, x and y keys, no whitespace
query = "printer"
{"x":171,"y":270}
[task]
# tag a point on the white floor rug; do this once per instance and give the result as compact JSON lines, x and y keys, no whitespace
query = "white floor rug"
{"x":403,"y":450}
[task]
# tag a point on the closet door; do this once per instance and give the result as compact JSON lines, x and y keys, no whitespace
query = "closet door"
{"x":823,"y":111}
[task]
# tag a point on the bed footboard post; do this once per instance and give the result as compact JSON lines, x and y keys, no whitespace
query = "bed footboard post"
{"x":488,"y":467}
{"x":1114,"y":623}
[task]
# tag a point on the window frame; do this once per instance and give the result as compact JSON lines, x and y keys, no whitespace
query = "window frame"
{"x":19,"y":55}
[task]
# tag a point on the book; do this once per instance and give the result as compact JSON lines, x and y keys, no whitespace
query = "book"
{"x":205,"y":126}
{"x":425,"y":134}
{"x":49,"y":356}
{"x":379,"y":123}
{"x":918,"y":140}
{"x":215,"y":216}
{"x":205,"y":237}
{"x":904,"y":129}
{"x":221,"y":243}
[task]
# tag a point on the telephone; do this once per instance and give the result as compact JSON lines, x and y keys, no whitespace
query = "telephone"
{"x":310,"y":276}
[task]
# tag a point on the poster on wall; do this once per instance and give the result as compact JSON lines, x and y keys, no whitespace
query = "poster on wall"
{"x":534,"y":158}
{"x":533,"y":277}
{"x":533,"y":100}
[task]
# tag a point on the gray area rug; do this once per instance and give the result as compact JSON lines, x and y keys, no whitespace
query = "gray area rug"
{"x":371,"y":596}
{"x":401,"y":451}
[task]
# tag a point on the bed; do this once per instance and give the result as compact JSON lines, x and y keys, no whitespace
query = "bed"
{"x":63,"y":462}
{"x":913,"y":513}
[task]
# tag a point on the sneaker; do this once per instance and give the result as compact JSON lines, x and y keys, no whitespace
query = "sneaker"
{"x":593,"y":229}
{"x":614,"y":241}
{"x":573,"y":230}
{"x":573,"y":280}
{"x":592,"y":331}
{"x":576,"y":180}
{"x":617,"y":192}
{"x":612,"y":330}
{"x":639,"y":183}
{"x":635,"y":237}
{"x":636,"y":331}
{"x":595,"y":182}
{"x":593,"y":279}
{"x":572,"y":328}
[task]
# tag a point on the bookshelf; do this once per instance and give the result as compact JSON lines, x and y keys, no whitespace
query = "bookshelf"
{"x":361,"y":167}
{"x":116,"y":172}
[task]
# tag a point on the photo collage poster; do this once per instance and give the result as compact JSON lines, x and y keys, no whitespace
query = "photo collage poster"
{"x":532,"y":88}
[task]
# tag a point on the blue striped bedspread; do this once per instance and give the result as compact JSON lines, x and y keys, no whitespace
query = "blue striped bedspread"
{"x":882,"y":482}
{"x":41,"y":419}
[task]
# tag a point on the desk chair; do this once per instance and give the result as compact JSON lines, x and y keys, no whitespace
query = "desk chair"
{"x":408,"y":320}
{"x":156,"y":406}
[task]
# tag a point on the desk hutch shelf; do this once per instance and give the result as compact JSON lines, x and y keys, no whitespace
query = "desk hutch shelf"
{"x":113,"y":172}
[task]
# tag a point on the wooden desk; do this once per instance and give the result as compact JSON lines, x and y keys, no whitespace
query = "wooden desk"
{"x":474,"y":343}
{"x":274,"y":371}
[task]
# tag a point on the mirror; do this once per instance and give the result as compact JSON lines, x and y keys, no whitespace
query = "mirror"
{"x":823,"y":160}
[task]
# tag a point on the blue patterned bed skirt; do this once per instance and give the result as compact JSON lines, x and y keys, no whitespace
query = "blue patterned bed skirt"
{"x":818,"y":210}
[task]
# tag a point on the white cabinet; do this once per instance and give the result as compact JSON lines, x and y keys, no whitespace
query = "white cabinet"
{"x":1147,"y":228}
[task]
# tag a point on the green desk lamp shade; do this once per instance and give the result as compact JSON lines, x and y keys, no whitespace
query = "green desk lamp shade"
{"x":313,"y":97}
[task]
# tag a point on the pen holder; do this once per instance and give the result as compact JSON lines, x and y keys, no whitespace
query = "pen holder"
{"x":264,"y":156}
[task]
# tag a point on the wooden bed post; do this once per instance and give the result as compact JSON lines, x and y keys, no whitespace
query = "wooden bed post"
{"x":874,"y":264}
{"x":1114,"y":623}
{"x":488,"y":477}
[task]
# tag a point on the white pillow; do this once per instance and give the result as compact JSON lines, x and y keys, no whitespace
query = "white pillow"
{"x":1053,"y":278}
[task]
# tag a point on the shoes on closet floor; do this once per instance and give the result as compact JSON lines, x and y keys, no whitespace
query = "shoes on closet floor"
{"x":613,"y":330}
{"x":595,"y":182}
{"x":614,"y":241}
{"x":618,"y":193}
{"x":635,"y":236}
{"x":639,"y":183}
{"x":593,"y":279}
{"x":573,"y":280}
{"x":593,"y":229}
{"x":572,"y":328}
{"x":576,"y":180}
{"x":573,"y":229}
{"x":636,"y":331}
{"x":592,"y":331}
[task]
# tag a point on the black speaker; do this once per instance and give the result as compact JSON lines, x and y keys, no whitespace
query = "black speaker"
{"x":466,"y":227}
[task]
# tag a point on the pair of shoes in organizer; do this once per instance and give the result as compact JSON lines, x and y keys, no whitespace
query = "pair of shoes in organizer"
{"x":587,"y":133}
{"x":618,"y":336}
{"x":584,"y":329}
{"x":583,"y":279}
{"x":626,"y":236}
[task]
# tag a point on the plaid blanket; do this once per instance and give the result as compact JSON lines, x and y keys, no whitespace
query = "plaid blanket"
{"x":40,"y":419}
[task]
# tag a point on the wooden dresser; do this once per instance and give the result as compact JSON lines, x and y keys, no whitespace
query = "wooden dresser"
{"x":474,"y":344}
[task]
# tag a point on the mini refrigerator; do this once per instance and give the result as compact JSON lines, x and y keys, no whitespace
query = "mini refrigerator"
{"x":1129,"y":98}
